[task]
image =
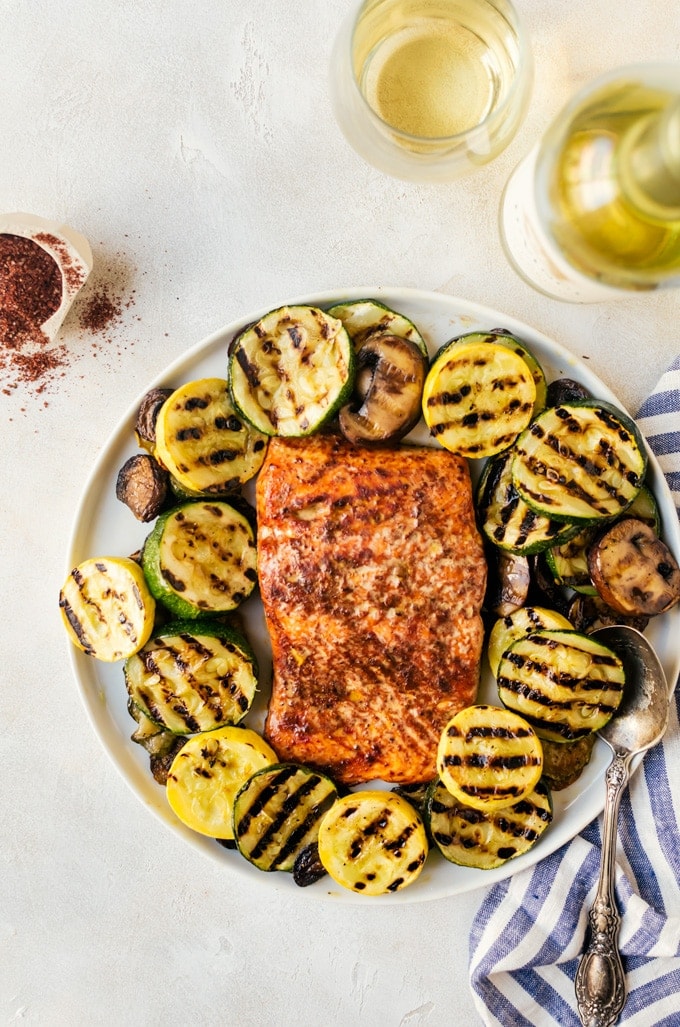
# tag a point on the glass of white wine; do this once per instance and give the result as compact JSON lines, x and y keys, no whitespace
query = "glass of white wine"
{"x":593,"y":211}
{"x":428,"y":90}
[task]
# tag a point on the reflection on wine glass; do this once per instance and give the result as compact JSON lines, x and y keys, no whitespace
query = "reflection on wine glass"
{"x":594,"y":209}
{"x":428,"y":90}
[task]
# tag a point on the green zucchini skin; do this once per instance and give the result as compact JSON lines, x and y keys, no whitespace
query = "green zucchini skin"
{"x":563,"y":683}
{"x":291,"y":371}
{"x":486,"y":839}
{"x":201,"y":558}
{"x":568,"y":562}
{"x":580,"y":463}
{"x":367,"y":317}
{"x":193,"y":676}
{"x":506,"y":519}
{"x":277,"y":813}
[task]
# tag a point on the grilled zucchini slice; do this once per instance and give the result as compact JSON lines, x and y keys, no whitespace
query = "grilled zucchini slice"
{"x":107,"y":608}
{"x":477,"y":398}
{"x":373,"y":842}
{"x":580,"y":463}
{"x":201,"y":558}
{"x":363,"y":318}
{"x":517,"y":624}
{"x":568,"y":562}
{"x":563,"y":683}
{"x":505,"y":338}
{"x":277,"y":814}
{"x":193,"y":676}
{"x":488,"y":757}
{"x":202,"y":442}
{"x":506,"y":519}
{"x":207,"y":773}
{"x":291,"y":371}
{"x":486,"y":839}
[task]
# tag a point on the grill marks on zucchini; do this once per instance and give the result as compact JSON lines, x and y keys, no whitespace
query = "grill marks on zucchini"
{"x":478,"y":397}
{"x":190,"y":678}
{"x":506,"y":519}
{"x":485,"y":839}
{"x":277,"y":814}
{"x":291,"y":371}
{"x":488,"y":757}
{"x":202,"y":442}
{"x":201,"y":557}
{"x":373,"y":842}
{"x":582,"y":462}
{"x":563,"y":683}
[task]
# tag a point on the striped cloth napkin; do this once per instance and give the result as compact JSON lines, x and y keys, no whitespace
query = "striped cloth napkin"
{"x":530,"y":929}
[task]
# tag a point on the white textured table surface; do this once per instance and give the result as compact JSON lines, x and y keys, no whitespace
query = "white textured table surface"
{"x":193,"y":145}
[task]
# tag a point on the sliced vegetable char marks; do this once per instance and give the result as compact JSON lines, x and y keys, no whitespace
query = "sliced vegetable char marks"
{"x":505,"y":518}
{"x":277,"y":814}
{"x":106,"y":607}
{"x":373,"y":842}
{"x":579,"y":462}
{"x":191,"y":682}
{"x":490,"y":759}
{"x":202,"y":441}
{"x":291,"y":370}
{"x":207,"y":554}
{"x":478,"y":397}
{"x":565,"y":684}
{"x":485,"y":839}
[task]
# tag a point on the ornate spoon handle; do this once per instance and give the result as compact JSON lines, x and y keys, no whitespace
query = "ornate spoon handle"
{"x":600,"y":987}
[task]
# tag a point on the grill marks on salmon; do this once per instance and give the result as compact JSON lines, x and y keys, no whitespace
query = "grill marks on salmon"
{"x":372,"y":576}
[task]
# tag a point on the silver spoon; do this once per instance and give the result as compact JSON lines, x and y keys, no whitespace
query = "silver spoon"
{"x":638,"y":724}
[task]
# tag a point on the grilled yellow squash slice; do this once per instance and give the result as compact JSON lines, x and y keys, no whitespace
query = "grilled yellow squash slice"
{"x":207,"y":773}
{"x":564,"y":683}
{"x":277,"y":814}
{"x":193,"y":676}
{"x":478,"y":397}
{"x":489,"y":758}
{"x":203,"y":443}
{"x":373,"y":842}
{"x":507,"y":630}
{"x":486,"y":839}
{"x":107,"y":608}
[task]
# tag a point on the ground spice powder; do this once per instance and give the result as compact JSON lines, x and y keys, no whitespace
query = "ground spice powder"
{"x":31,"y":290}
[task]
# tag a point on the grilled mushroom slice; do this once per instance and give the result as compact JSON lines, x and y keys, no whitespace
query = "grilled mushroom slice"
{"x":633,"y":570}
{"x":143,"y":485}
{"x":566,"y":390}
{"x":587,"y":613}
{"x":509,"y":582}
{"x":145,"y":424}
{"x":390,"y":376}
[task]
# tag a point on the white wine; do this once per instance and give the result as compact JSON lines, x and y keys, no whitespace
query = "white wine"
{"x":441,"y":72}
{"x":428,"y":90}
{"x":612,"y":208}
{"x":595,"y":208}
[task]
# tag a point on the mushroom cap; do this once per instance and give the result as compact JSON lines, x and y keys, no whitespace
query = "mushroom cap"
{"x":389,"y":384}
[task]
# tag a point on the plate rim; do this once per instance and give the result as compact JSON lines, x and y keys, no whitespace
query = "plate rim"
{"x":93,"y":699}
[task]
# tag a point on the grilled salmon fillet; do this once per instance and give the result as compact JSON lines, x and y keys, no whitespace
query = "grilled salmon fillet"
{"x":372,"y":575}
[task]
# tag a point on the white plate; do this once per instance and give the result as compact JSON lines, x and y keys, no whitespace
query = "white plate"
{"x":104,"y":526}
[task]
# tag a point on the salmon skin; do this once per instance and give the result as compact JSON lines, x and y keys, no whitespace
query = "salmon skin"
{"x":372,"y":575}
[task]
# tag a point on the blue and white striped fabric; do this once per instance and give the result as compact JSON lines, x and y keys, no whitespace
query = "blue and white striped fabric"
{"x":529,"y":931}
